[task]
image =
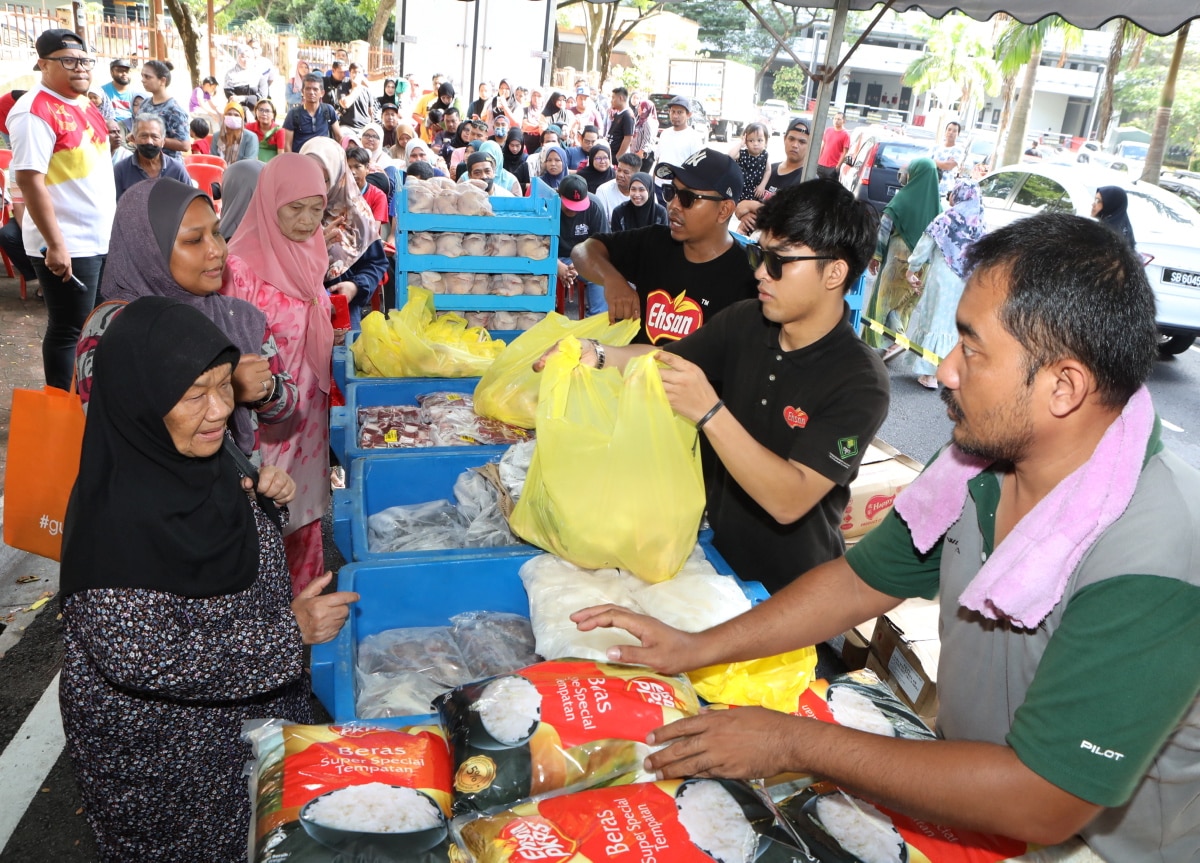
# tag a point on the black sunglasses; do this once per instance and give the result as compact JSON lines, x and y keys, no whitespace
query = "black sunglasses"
{"x":774,"y":261}
{"x":686,"y":196}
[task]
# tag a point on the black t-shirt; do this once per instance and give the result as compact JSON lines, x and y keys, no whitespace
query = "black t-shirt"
{"x":335,"y":90}
{"x":574,"y":228}
{"x":618,"y":129}
{"x":677,"y":296}
{"x":819,"y":406}
{"x":777,"y":182}
{"x":357,"y":114}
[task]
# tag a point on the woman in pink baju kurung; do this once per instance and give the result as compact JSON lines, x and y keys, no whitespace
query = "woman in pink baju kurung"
{"x":277,"y":262}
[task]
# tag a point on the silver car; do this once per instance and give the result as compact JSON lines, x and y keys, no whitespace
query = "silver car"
{"x":1166,"y":229}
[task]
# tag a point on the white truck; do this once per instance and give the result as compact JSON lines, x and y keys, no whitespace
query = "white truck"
{"x":724,"y":87}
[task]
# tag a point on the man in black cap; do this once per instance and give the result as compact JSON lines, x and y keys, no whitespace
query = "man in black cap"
{"x":120,"y":92}
{"x":675,"y":277}
{"x":679,"y":140}
{"x":783,"y":175}
{"x":56,"y":131}
{"x":482,"y":170}
{"x":582,"y":216}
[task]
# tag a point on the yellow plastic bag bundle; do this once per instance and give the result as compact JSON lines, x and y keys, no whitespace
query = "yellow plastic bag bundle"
{"x":776,"y":682}
{"x":615,"y":479}
{"x":509,"y":388}
{"x":415,"y":343}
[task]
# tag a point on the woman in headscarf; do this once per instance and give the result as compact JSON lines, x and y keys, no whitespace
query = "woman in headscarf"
{"x":404,"y":133}
{"x":645,"y":133}
{"x":232,"y":142}
{"x":390,"y":95}
{"x":356,"y":261}
{"x":1111,"y":207}
{"x":295,"y":84}
{"x":178,"y":617}
{"x":514,"y":154}
{"x":277,"y":264}
{"x":904,"y":219}
{"x":641,"y":209}
{"x":936,"y":271}
{"x":533,"y":121}
{"x":371,"y":140}
{"x":418,"y":151}
{"x":554,"y":165}
{"x":504,"y":179}
{"x":166,"y":242}
{"x":599,"y":168}
{"x":556,"y":110}
{"x":237,"y":188}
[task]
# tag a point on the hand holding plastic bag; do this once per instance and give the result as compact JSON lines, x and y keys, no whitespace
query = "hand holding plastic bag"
{"x":415,"y":342}
{"x":509,"y":388}
{"x":616,"y":478}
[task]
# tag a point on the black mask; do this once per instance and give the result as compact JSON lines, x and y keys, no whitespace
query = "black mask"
{"x":149,"y":151}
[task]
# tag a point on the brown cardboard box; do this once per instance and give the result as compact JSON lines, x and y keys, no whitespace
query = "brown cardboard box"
{"x":884,"y":472}
{"x":853,"y":646}
{"x":904,"y":653}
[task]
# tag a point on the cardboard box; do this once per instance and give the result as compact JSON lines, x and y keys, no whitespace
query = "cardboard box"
{"x":884,"y":472}
{"x":904,"y":653}
{"x":854,"y":645}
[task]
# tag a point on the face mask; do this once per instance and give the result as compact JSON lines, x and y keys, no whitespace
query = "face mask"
{"x":149,"y":151}
{"x":233,"y":122}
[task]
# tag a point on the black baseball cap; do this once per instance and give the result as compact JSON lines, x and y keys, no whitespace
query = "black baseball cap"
{"x":801,"y":125}
{"x":56,"y":40}
{"x":389,"y":106}
{"x":706,"y":170}
{"x":574,"y":193}
{"x":121,"y":63}
{"x":680,"y":102}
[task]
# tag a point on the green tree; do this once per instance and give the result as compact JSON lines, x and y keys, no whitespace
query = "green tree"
{"x":957,"y":63}
{"x":1162,"y":118}
{"x":335,"y":21}
{"x":604,"y":28}
{"x":789,"y":85}
{"x":1021,"y":45}
{"x":1138,"y":92}
{"x":730,"y":30}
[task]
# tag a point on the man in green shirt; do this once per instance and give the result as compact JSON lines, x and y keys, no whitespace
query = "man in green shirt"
{"x":1070,"y":694}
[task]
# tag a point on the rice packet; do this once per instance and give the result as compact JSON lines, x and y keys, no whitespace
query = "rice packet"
{"x":682,"y":821}
{"x":554,"y":726}
{"x":326,"y":793}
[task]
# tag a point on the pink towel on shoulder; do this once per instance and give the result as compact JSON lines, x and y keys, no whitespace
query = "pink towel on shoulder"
{"x":1027,"y":573}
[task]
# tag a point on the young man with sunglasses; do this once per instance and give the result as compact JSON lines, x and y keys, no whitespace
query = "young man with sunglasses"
{"x":57,"y":133}
{"x":801,"y":396}
{"x":675,"y":277}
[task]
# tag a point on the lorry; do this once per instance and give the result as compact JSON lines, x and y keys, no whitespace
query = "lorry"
{"x":724,"y":87}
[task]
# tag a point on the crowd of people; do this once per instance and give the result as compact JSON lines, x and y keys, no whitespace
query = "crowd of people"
{"x":192,"y":568}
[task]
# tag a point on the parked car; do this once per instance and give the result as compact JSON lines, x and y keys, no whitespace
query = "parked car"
{"x":1165,"y":228}
{"x":777,"y":114}
{"x":1186,"y":186}
{"x":699,"y":120}
{"x":979,"y":152}
{"x":873,"y":175}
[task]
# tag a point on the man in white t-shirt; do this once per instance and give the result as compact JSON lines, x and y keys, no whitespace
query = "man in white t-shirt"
{"x":948,"y":157}
{"x":615,"y":192}
{"x":677,"y":142}
{"x":62,"y":164}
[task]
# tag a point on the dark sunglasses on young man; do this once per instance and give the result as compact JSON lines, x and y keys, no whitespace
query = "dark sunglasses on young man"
{"x":686,"y":196}
{"x":775,"y":261}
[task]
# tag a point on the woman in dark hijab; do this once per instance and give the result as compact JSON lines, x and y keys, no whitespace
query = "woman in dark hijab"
{"x":514,"y":154}
{"x":237,"y":188}
{"x":599,"y":168}
{"x":178,"y":618}
{"x":166,"y":242}
{"x":556,"y":110}
{"x":1112,"y":208}
{"x":641,"y":209}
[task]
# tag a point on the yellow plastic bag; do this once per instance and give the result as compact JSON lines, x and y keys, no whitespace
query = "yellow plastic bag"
{"x":414,"y":343}
{"x":773,"y":681}
{"x":509,"y":388}
{"x":615,"y":479}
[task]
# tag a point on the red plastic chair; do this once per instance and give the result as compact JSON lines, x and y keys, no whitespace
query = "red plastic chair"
{"x":5,"y":159}
{"x":204,"y":159}
{"x":205,"y":176}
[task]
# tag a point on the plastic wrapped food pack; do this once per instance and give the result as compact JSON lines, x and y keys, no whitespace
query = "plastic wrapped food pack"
{"x":440,"y":419}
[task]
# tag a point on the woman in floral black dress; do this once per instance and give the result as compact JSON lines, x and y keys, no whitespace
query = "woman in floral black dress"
{"x":178,"y":616}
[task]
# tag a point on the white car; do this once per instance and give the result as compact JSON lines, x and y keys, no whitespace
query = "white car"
{"x":777,"y":114}
{"x":1165,"y":228}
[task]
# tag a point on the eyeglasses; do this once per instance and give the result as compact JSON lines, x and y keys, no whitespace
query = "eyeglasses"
{"x":73,"y":63}
{"x":775,"y":261}
{"x":686,"y":196}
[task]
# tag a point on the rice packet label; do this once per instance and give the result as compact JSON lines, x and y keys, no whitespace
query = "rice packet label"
{"x":693,"y":821}
{"x":555,"y":725}
{"x":838,"y":826}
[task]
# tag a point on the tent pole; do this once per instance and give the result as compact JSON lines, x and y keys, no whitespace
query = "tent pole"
{"x":837,"y":33}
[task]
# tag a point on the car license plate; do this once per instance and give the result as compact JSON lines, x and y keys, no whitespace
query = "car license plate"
{"x":892,"y":190}
{"x":1181,"y":277}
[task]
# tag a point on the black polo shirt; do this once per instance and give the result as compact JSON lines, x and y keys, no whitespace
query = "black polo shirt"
{"x":677,"y":296}
{"x":819,"y":406}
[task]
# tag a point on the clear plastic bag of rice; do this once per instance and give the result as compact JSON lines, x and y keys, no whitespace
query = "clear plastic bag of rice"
{"x":349,"y":792}
{"x":555,"y":726}
{"x":841,"y":828}
{"x":693,"y":821}
{"x":493,"y":642}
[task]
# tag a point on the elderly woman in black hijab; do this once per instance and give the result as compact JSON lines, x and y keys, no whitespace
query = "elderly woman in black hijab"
{"x":1112,"y":208}
{"x":641,"y":209}
{"x":178,"y":618}
{"x":166,"y":242}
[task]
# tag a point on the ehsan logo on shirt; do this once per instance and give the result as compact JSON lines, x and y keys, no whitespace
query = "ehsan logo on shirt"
{"x":671,"y":318}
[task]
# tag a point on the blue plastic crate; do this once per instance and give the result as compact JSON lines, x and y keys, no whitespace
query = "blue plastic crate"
{"x":426,"y":593}
{"x":536,"y":214}
{"x":403,"y":478}
{"x":343,"y":421}
{"x":855,"y":297}
{"x":345,"y":373}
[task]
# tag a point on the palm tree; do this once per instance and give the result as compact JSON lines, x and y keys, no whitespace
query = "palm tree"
{"x":956,"y":55}
{"x":1021,"y":45}
{"x":1126,"y":34}
{"x":1162,"y":121}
